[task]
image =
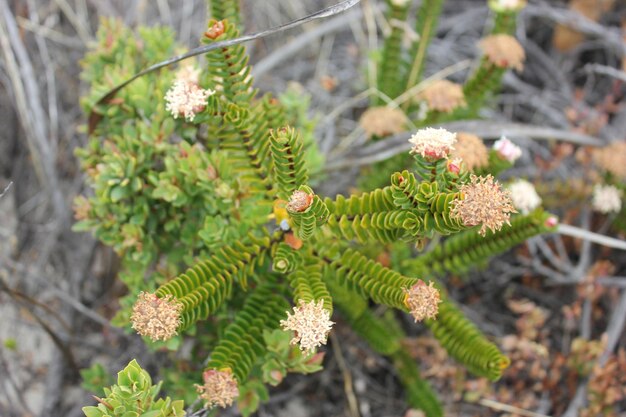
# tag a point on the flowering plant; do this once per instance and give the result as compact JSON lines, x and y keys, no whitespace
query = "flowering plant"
{"x":197,"y":169}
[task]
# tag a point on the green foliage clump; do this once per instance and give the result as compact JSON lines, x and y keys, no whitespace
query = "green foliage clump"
{"x":214,"y":214}
{"x":134,"y":395}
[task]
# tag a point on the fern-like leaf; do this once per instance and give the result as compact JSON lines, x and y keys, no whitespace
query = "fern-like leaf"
{"x":242,"y":343}
{"x":368,"y":278}
{"x":203,"y":288}
{"x":288,"y":161}
{"x":462,"y":251}
{"x":465,"y":343}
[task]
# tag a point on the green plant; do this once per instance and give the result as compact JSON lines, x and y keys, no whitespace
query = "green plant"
{"x":134,"y":396}
{"x":191,"y":167}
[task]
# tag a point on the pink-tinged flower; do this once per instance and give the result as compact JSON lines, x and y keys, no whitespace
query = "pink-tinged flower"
{"x":186,"y":99}
{"x":156,"y":318}
{"x":507,"y":150}
{"x":524,"y":196}
{"x":483,"y":202}
{"x":433,"y":144}
{"x":422,"y":300}
{"x":310,"y":323}
{"x":454,"y":165}
{"x":607,"y":199}
{"x":219,"y":388}
{"x":551,"y":221}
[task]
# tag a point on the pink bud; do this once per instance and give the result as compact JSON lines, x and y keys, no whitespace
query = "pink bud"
{"x":551,"y":221}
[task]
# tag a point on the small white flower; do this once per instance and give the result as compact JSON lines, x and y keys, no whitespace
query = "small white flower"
{"x":606,"y":199}
{"x":399,"y":3}
{"x":507,"y":149}
{"x":186,"y":99}
{"x":433,"y":144}
{"x":524,"y":196}
{"x":505,"y":5}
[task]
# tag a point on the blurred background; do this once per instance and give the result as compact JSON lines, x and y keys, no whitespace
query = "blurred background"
{"x":58,"y":289}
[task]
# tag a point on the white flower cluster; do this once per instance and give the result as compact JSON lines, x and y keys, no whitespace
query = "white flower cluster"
{"x":433,"y":144}
{"x":186,"y":99}
{"x":606,"y":199}
{"x":524,"y":196}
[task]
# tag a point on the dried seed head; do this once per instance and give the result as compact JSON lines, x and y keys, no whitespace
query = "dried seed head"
{"x":471,"y":149}
{"x":507,"y":150}
{"x":433,"y":144}
{"x":382,"y":121}
{"x":607,"y":198}
{"x":483,"y":202}
{"x":219,"y":388}
{"x":503,"y":51}
{"x":216,"y":30}
{"x":186,"y":99}
{"x":612,"y":158}
{"x":524,"y":196}
{"x":310,"y":323}
{"x":443,"y":96}
{"x":299,"y":201}
{"x":156,"y":318}
{"x":422,"y":300}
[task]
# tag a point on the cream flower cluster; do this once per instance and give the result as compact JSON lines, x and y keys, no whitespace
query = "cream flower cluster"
{"x":185,"y":98}
{"x":310,"y":323}
{"x":156,"y":318}
{"x":524,"y":196}
{"x":219,"y":388}
{"x":606,"y":199}
{"x":483,"y":203}
{"x":422,"y":300}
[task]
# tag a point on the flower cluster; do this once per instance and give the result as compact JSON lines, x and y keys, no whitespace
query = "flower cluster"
{"x":382,"y":121}
{"x":443,"y":96}
{"x":471,"y":149}
{"x":503,"y":51}
{"x":156,"y":318}
{"x":611,"y":159}
{"x":484,"y":203}
{"x":524,"y":196}
{"x":299,"y":201}
{"x":219,"y":388}
{"x":186,"y":99}
{"x":433,"y":144}
{"x":310,"y":323}
{"x":606,"y":199}
{"x":422,"y":300}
